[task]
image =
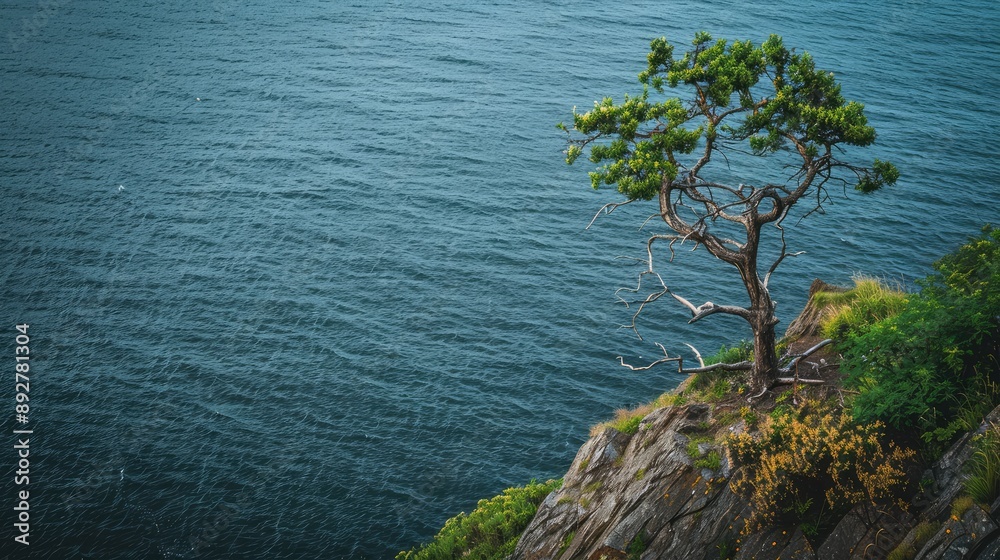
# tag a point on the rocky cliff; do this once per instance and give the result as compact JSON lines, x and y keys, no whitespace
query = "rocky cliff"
{"x":664,"y":492}
{"x":641,"y":496}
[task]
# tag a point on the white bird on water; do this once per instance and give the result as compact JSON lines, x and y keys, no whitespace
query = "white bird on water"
{"x":121,"y":188}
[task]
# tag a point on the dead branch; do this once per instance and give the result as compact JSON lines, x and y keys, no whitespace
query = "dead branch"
{"x":795,"y":358}
{"x":642,"y":304}
{"x":740,"y":366}
{"x":607,"y":209}
{"x":784,"y":247}
{"x":794,"y":380}
{"x":697,"y":354}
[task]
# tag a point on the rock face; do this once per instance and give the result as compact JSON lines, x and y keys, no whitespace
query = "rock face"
{"x":641,"y":496}
{"x":626,"y":493}
{"x":807,"y":323}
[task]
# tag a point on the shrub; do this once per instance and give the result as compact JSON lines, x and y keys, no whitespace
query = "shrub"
{"x":934,"y":361}
{"x":810,"y":460}
{"x":491,"y":531}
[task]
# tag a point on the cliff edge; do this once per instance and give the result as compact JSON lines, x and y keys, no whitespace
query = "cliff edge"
{"x":641,"y":496}
{"x":663,"y":490}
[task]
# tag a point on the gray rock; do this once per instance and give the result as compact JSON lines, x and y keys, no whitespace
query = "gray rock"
{"x":621,"y":488}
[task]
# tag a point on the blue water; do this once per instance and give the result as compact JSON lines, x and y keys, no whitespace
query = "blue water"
{"x":305,"y":280}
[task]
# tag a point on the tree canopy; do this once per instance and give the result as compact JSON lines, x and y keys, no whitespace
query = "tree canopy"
{"x":742,"y":100}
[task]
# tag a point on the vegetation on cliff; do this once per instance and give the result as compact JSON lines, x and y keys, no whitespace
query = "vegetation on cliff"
{"x":907,"y":375}
{"x":490,"y":531}
{"x":931,"y":367}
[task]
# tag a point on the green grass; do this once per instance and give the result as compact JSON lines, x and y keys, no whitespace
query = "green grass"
{"x":924,"y":531}
{"x":694,"y":442}
{"x":741,"y":352}
{"x":714,"y":386}
{"x":905,"y":551}
{"x":627,"y":420}
{"x":868,"y":302}
{"x":983,"y":483}
{"x":567,"y":540}
{"x":491,"y":531}
{"x":710,"y":461}
{"x":961,"y":505}
{"x":921,"y":534}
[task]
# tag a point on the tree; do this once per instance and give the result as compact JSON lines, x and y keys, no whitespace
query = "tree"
{"x":758,"y":104}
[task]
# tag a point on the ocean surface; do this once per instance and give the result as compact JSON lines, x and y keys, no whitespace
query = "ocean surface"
{"x":303,"y":280}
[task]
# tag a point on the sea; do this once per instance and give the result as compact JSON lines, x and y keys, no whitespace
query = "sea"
{"x":303,"y":280}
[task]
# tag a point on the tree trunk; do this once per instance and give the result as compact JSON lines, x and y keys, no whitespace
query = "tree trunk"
{"x":762,"y":319}
{"x":765,"y":357}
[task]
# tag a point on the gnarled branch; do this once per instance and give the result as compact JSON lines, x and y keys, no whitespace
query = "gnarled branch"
{"x":741,"y":366}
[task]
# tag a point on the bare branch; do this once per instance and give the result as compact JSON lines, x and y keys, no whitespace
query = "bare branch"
{"x":650,"y":366}
{"x":642,"y":304}
{"x":784,"y":246}
{"x":697,"y":354}
{"x":607,"y":209}
{"x":741,"y":366}
{"x":709,"y":308}
{"x":795,"y":359}
{"x":793,"y":380}
{"x":686,"y":303}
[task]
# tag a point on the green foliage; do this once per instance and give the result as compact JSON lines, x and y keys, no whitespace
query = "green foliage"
{"x":714,"y":386}
{"x":924,"y":531}
{"x":741,"y":352}
{"x":692,"y":449}
{"x":628,"y":424}
{"x":712,"y":461}
{"x":905,"y":551}
{"x":921,"y":534}
{"x":933,"y":366}
{"x":727,"y":549}
{"x":636,"y":547}
{"x":983,"y":484}
{"x":648,"y":139}
{"x":491,"y":531}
